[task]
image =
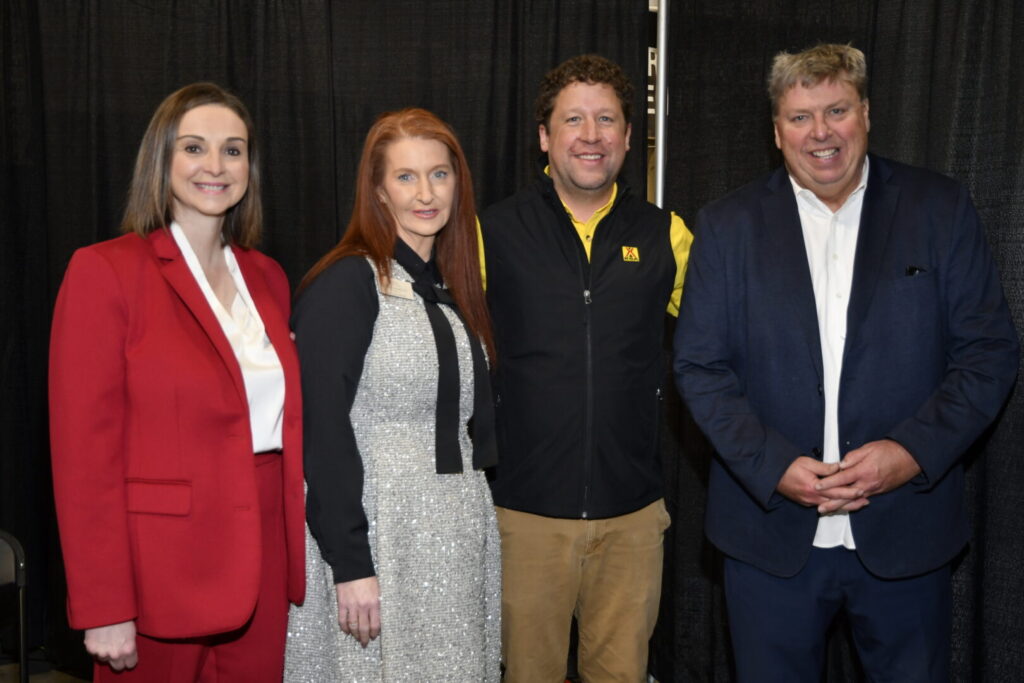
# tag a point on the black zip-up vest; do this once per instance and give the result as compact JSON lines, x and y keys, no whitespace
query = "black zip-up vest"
{"x":579,"y":353}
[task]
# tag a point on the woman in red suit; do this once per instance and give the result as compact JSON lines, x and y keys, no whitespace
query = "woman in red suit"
{"x":175,"y":416}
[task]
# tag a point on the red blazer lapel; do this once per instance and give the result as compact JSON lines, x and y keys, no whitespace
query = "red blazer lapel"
{"x":275,"y":320}
{"x":179,"y":277}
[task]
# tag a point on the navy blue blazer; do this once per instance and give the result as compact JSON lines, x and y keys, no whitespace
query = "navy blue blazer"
{"x":929,"y":358}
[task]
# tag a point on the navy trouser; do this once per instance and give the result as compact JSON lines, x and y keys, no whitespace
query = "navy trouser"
{"x":901,"y":627}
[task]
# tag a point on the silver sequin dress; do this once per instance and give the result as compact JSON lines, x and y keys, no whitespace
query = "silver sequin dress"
{"x":433,"y":537}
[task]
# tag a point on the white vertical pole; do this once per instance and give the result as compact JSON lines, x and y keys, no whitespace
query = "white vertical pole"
{"x":660,"y":127}
{"x":659,"y":120}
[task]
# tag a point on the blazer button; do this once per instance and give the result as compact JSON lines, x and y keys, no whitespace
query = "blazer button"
{"x":821,"y":390}
{"x":816,"y":452}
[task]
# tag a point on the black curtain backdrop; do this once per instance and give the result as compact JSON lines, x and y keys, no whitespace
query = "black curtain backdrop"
{"x":945,"y":93}
{"x":82,"y":77}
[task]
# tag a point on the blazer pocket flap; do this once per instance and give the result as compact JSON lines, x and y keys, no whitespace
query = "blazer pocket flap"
{"x":159,"y":497}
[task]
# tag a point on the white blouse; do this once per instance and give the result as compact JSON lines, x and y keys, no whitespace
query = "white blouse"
{"x":242,"y":325}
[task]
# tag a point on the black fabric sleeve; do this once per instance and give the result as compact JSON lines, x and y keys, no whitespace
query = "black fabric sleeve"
{"x":333,"y":323}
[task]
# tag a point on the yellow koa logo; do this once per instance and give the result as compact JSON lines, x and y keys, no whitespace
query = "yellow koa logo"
{"x":631,"y":254}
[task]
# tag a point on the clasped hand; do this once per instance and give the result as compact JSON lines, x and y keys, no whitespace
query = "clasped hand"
{"x":874,"y":468}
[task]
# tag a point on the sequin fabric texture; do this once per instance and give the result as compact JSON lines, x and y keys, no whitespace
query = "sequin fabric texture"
{"x":433,"y":537}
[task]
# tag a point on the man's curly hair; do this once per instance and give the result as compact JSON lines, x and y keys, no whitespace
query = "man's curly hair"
{"x":591,"y":69}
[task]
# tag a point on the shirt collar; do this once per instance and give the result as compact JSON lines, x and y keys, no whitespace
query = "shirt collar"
{"x":812,"y":198}
{"x":413,"y":264}
{"x":600,"y":212}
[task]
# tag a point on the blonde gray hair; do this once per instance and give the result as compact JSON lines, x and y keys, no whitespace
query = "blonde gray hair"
{"x":823,"y":62}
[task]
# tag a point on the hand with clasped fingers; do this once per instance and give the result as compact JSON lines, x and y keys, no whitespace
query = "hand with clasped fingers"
{"x":800,"y":481}
{"x":874,"y":468}
{"x":113,"y":645}
{"x":359,"y":608}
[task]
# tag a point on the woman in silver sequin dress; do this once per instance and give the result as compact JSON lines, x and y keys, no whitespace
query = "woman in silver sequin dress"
{"x":402,"y":546}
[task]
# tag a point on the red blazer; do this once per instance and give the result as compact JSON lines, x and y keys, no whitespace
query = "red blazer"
{"x":153,"y":469}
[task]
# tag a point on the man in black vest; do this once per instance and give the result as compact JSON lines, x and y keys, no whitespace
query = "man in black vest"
{"x":579,"y":272}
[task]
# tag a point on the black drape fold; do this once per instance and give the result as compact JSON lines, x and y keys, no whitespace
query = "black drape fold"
{"x":26,"y":502}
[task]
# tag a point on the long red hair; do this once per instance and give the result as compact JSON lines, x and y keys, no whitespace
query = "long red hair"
{"x":372,"y":232}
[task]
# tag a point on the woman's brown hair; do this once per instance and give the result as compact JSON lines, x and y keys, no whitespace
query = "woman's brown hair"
{"x":372,"y":231}
{"x":150,"y":200}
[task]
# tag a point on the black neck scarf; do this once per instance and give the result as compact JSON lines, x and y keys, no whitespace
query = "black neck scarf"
{"x":427,"y":283}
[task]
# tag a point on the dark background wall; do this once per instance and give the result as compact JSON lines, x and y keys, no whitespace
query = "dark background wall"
{"x":82,"y":77}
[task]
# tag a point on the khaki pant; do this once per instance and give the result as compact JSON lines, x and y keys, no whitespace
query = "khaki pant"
{"x":606,"y":571}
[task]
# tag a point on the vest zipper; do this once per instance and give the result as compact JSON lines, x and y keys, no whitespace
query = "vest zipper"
{"x":588,"y":418}
{"x":586,"y":279}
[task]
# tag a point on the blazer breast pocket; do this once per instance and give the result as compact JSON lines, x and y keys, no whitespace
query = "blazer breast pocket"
{"x":914,"y":278}
{"x":911,"y":301}
{"x":159,"y":496}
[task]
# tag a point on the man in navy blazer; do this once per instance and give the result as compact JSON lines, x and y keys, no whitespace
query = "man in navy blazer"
{"x":843,"y":340}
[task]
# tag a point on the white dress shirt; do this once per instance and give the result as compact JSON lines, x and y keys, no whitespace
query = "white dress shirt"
{"x":831,"y":242}
{"x":242,"y":325}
